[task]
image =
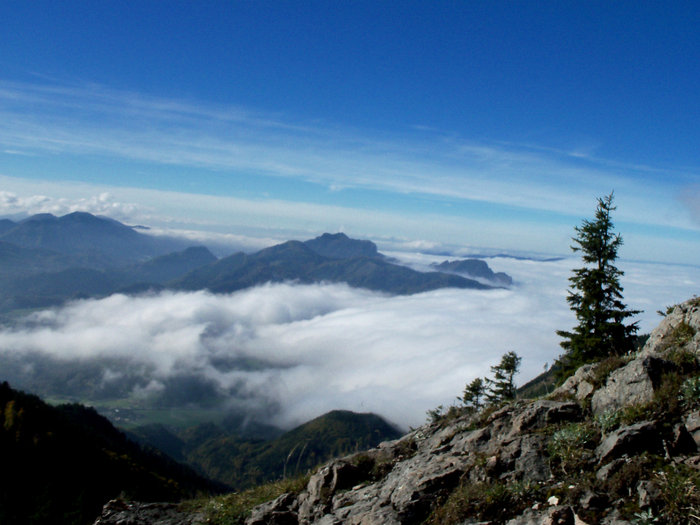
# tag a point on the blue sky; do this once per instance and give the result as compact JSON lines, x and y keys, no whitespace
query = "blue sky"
{"x":476,"y":124}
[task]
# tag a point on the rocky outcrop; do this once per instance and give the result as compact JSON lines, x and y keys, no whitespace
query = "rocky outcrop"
{"x":680,"y":327}
{"x":119,"y":512}
{"x":425,"y":466}
{"x":633,"y":384}
{"x":580,"y":385}
{"x":633,"y":439}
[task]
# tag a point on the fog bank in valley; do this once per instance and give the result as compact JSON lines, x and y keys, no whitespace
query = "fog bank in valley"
{"x":286,"y":353}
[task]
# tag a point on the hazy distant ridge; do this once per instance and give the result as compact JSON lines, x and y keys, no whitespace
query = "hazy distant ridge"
{"x":47,"y":260}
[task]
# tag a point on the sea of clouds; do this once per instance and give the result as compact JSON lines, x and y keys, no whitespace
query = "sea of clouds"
{"x":286,"y":353}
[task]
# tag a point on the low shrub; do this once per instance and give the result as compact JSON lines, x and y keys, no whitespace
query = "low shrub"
{"x":608,"y":421}
{"x":570,"y":447}
{"x":690,"y":393}
{"x":486,"y":501}
{"x":679,"y":486}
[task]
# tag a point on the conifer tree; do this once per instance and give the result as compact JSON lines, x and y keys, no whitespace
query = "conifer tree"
{"x":501,"y":387}
{"x":596,"y":295}
{"x":474,"y":393}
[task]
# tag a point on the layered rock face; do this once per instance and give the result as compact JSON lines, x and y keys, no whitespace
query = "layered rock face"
{"x":615,"y":444}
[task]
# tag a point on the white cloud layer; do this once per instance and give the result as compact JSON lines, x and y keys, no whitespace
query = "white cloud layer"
{"x":322,"y":347}
{"x":103,"y":204}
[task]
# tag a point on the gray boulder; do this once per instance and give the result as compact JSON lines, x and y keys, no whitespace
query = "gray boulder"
{"x":633,"y":384}
{"x":680,"y":325}
{"x":629,"y":441}
{"x":579,"y":386}
{"x":119,"y":512}
{"x":692,"y":424}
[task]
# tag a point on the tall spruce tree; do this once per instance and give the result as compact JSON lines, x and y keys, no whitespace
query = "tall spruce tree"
{"x":596,"y":295}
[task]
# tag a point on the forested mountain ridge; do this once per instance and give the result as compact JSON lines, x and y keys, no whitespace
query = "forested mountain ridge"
{"x":241,"y":462}
{"x":61,"y":464}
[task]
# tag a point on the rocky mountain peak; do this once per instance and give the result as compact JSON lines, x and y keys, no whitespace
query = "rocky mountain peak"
{"x":340,"y":246}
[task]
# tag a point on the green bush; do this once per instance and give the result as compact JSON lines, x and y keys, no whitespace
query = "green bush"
{"x":608,"y":421}
{"x":690,"y":393}
{"x":570,"y":447}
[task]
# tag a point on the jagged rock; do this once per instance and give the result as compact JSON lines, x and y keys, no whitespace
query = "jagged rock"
{"x":578,"y":386}
{"x":648,"y":493}
{"x":427,"y":465}
{"x":681,"y":442}
{"x":338,"y":475}
{"x":119,"y":512}
{"x":692,"y":424}
{"x":605,"y":472}
{"x":279,"y":511}
{"x":593,"y":501}
{"x":632,"y":384}
{"x":664,"y":334}
{"x":630,"y":440}
{"x":418,"y":483}
{"x":544,"y":412}
{"x":522,"y":459}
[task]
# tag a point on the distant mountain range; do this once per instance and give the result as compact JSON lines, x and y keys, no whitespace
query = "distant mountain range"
{"x":299,"y":262}
{"x":475,"y":268}
{"x":46,"y":260}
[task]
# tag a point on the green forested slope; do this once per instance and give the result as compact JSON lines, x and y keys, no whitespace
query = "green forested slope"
{"x":61,"y":464}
